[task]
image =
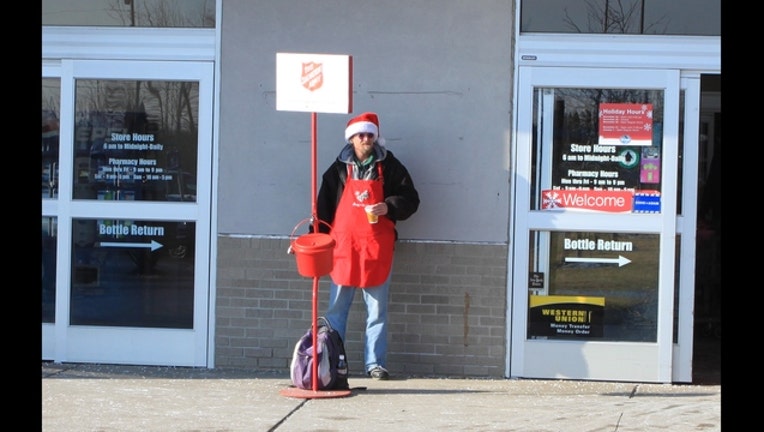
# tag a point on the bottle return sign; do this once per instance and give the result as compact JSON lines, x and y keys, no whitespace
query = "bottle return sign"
{"x":314,"y":83}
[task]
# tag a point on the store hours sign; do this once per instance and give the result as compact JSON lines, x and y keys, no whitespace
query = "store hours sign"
{"x":134,"y":166}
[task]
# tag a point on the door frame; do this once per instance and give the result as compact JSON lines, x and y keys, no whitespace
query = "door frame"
{"x":688,"y":57}
{"x":590,"y":358}
{"x":145,"y":54}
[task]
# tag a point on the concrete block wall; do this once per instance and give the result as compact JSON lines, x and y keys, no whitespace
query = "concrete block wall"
{"x":447,"y":308}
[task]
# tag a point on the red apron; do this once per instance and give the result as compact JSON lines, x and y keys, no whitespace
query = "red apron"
{"x":363,"y":254}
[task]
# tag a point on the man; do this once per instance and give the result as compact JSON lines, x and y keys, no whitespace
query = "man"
{"x":365,"y":178}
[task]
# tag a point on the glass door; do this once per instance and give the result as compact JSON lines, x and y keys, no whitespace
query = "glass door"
{"x":126,"y":212}
{"x":595,"y":224}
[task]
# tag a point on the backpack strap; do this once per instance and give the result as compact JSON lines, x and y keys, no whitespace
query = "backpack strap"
{"x":323,"y":322}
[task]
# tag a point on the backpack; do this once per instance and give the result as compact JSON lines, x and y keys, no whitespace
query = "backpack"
{"x":331,"y":375}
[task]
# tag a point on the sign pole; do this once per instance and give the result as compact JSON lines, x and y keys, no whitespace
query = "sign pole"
{"x":305,"y":82}
{"x":314,"y":217}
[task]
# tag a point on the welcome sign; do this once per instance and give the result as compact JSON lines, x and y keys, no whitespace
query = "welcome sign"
{"x":608,"y":201}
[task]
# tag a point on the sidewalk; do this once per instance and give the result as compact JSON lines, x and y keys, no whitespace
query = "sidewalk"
{"x":111,"y":398}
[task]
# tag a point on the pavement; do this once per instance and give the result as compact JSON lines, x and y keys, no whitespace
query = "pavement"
{"x":113,"y":398}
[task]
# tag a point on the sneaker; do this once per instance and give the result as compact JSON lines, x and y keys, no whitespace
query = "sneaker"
{"x":379,"y":373}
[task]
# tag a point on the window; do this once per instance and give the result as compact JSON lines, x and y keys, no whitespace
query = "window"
{"x":675,"y":17}
{"x":129,"y":13}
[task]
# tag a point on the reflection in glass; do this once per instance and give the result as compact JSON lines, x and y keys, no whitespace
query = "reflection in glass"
{"x":49,"y":236}
{"x":129,"y":13}
{"x":675,"y":17}
{"x":132,"y":273}
{"x":136,"y":140}
{"x":567,"y":124}
{"x":51,"y":110}
{"x":622,"y":268}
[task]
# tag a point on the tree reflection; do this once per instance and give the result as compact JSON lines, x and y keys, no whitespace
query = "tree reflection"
{"x":581,"y":109}
{"x":163,"y":13}
{"x":162,"y":113}
{"x":616,"y":16}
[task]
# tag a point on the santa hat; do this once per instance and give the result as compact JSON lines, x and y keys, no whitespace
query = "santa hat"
{"x":366,"y":122}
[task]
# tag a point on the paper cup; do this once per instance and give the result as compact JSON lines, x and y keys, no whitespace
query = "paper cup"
{"x":372,"y":218}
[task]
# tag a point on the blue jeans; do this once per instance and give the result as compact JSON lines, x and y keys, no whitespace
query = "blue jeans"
{"x":375,"y":298}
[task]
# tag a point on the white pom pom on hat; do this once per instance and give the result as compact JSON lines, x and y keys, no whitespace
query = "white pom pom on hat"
{"x":367,"y":122}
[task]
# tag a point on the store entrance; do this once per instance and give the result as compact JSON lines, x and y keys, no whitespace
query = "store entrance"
{"x":125,"y":223}
{"x":708,"y":324}
{"x":595,"y":243}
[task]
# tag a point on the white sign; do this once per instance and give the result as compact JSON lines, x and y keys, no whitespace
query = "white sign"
{"x":314,"y":83}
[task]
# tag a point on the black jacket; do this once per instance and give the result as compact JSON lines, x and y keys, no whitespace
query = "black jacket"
{"x":401,"y":196}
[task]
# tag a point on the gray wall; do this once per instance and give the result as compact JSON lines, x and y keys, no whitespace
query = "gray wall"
{"x":447,"y":309}
{"x":437,"y":72}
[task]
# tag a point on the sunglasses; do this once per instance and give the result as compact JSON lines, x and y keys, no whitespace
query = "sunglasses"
{"x":362,"y":135}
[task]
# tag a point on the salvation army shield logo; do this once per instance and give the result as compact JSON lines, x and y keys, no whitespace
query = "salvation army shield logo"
{"x":312,"y":75}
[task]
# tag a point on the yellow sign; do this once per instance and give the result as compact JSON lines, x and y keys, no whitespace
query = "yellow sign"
{"x":565,"y":316}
